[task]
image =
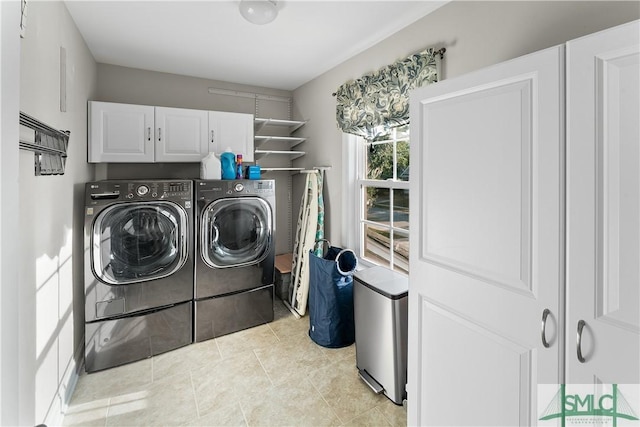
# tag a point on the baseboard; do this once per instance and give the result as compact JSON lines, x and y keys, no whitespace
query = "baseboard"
{"x":67,"y":386}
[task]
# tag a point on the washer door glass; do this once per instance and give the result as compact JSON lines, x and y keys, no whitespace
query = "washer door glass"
{"x":134,"y":242}
{"x":236,"y":232}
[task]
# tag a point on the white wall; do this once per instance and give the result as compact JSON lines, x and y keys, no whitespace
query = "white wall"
{"x":476,"y":34}
{"x":9,"y":235}
{"x":51,"y":320}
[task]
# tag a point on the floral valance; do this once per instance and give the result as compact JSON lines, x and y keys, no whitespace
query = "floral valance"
{"x":376,"y":102}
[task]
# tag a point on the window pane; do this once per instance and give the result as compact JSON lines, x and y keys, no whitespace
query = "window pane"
{"x":401,"y":209}
{"x":377,"y":204}
{"x":401,"y":252}
{"x":376,"y":244}
{"x":402,"y":153}
{"x":379,"y":161}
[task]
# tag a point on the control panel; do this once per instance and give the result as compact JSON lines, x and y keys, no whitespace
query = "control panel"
{"x":141,"y":190}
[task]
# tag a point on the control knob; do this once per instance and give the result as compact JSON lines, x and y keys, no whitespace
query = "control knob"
{"x":142,"y":190}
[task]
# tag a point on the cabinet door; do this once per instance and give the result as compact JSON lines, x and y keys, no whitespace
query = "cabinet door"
{"x":603,"y":210}
{"x":486,"y":245}
{"x":231,"y":130}
{"x":181,"y":134}
{"x":120,"y":133}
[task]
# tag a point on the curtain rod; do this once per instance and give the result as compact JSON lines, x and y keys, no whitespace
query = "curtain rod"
{"x":440,"y":52}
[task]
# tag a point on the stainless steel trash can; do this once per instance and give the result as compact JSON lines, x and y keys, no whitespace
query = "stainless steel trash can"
{"x":380,"y":313}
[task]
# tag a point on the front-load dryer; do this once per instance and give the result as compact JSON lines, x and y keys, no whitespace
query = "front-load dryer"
{"x":138,"y":270}
{"x":234,"y":258}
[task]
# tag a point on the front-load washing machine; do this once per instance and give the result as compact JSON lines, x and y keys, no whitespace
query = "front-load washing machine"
{"x":138,"y":269}
{"x":235,"y":254}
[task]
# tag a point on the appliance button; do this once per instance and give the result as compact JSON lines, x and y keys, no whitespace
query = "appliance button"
{"x":239,"y":187}
{"x":130,"y":196}
{"x":142,"y":190}
{"x":154,"y":194}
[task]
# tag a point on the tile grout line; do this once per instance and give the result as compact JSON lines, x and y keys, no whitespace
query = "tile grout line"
{"x":384,"y":417}
{"x":215,"y":340}
{"x":106,"y":416}
{"x":325,"y":400}
{"x":246,"y":420}
{"x":193,"y":389}
{"x":263,"y":368}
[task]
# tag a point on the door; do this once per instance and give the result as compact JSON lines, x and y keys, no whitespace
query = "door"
{"x":231,"y":130}
{"x":236,"y":232}
{"x":486,"y":257}
{"x":603,"y":210}
{"x":120,"y":133}
{"x":139,"y":241}
{"x":181,"y":134}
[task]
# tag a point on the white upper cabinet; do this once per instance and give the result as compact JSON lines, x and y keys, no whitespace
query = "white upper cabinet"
{"x":181,"y":134}
{"x":127,"y":133}
{"x":120,"y":133}
{"x":231,"y":130}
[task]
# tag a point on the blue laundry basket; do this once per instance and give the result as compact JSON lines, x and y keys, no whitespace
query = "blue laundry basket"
{"x":331,"y":322}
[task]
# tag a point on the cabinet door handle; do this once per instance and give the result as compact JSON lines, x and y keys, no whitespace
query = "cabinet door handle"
{"x":581,"y":358}
{"x":149,"y":133}
{"x":543,"y":333}
{"x":212,"y":136}
{"x":159,"y":134}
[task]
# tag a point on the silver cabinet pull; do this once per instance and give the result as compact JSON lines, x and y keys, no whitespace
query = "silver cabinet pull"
{"x":543,"y":333}
{"x":581,"y":324}
{"x":149,"y":133}
{"x":212,"y":134}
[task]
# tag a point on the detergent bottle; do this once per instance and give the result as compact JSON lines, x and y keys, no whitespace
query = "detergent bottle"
{"x":210,"y":167}
{"x":228,"y":163}
{"x":239,"y":173}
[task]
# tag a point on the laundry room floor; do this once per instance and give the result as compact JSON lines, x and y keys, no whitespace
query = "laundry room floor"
{"x":270,"y":375}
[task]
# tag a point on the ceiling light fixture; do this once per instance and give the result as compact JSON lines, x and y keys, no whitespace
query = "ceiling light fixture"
{"x":259,"y":12}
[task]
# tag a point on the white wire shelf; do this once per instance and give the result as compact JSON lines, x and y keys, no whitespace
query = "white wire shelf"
{"x":259,"y":154}
{"x":293,"y":125}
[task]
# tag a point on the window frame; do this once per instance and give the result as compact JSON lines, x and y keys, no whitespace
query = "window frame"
{"x":354,"y":155}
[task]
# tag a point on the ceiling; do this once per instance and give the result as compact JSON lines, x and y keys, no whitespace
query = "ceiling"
{"x":210,"y":39}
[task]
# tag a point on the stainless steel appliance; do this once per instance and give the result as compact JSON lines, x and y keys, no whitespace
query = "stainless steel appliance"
{"x":138,"y":269}
{"x":381,"y":319}
{"x":235,"y":253}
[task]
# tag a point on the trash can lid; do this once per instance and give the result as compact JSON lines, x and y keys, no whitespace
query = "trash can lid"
{"x":384,"y":281}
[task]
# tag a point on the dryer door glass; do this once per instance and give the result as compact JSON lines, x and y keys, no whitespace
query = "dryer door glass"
{"x":236,"y":232}
{"x":134,"y":242}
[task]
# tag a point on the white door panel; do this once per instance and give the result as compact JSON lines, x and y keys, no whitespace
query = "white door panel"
{"x":603,"y":178}
{"x":486,"y":208}
{"x":120,"y":132}
{"x":181,"y":134}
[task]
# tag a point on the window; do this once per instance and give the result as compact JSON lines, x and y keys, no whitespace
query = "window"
{"x":383,"y":182}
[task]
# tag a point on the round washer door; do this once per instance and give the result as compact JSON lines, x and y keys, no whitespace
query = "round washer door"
{"x":236,"y":232}
{"x":139,"y":241}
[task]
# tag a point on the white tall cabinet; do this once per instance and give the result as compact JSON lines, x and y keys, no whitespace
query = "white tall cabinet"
{"x":603,"y":207}
{"x":511,"y":234}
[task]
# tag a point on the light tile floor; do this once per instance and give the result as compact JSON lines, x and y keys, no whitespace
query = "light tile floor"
{"x":270,"y":375}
